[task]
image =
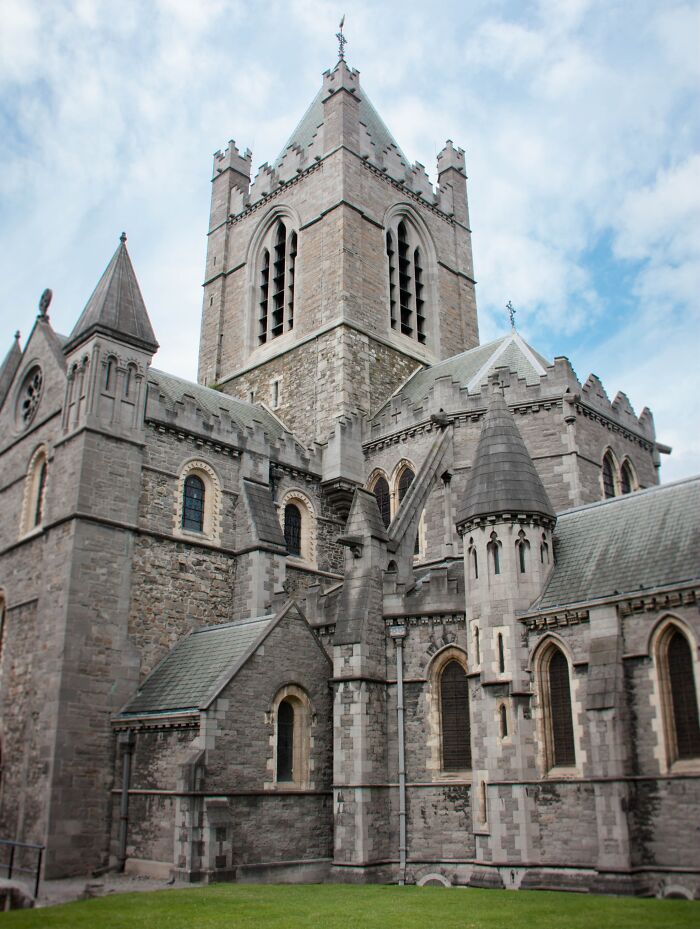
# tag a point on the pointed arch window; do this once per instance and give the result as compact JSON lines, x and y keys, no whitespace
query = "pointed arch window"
{"x":276,"y":286}
{"x":626,"y":478}
{"x":679,"y":695}
{"x":293,"y":717}
{"x":407,"y":285}
{"x":555,"y":687}
{"x":380,"y":490}
{"x":608,"y":476}
{"x":35,"y":491}
{"x":523,"y":549}
{"x":454,"y":710}
{"x":494,"y":553}
{"x":405,"y":480}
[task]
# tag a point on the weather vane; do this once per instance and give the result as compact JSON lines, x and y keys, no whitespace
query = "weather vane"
{"x":342,"y":41}
{"x":511,"y":312}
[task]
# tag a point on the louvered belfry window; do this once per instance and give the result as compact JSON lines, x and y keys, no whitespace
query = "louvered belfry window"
{"x":193,"y":504}
{"x":381,"y":492}
{"x":277,"y":283}
{"x":683,"y":697}
{"x":407,"y":280}
{"x":562,"y":728}
{"x":292,"y":529}
{"x":454,"y":707}
{"x":285,"y":741}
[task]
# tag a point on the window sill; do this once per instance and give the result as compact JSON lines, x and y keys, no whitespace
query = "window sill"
{"x":30,"y":533}
{"x":685,"y":766}
{"x":563,"y":773}
{"x":189,"y":535}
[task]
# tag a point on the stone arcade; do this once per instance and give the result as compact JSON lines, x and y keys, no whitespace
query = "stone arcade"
{"x":372,"y":601}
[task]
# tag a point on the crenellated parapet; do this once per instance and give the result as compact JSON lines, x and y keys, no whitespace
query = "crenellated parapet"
{"x":232,"y":160}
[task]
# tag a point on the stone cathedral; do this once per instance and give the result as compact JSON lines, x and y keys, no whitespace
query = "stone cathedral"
{"x":372,"y":600}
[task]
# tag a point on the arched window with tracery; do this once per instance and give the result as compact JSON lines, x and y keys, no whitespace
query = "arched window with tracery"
{"x":277,"y":265}
{"x":193,"y":504}
{"x":292,"y":529}
{"x":679,"y":694}
{"x":454,"y":717}
{"x":380,"y":489}
{"x":555,"y":689}
{"x":407,"y":290}
{"x":608,"y":475}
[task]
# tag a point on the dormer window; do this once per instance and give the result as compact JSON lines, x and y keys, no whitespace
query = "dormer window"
{"x":276,"y":282}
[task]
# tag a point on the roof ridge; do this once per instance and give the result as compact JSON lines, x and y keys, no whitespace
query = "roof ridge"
{"x":233,"y":623}
{"x":634,"y":495}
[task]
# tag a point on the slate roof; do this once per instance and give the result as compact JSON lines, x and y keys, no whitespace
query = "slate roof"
{"x":173,"y":389}
{"x":263,"y":513}
{"x":116,"y":307}
{"x":191,"y":674}
{"x":636,"y":542}
{"x":470,"y":369}
{"x":307,"y":130}
{"x":503,"y":478}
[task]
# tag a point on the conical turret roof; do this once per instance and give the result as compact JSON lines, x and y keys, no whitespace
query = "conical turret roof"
{"x":503,"y":479}
{"x":116,"y":307}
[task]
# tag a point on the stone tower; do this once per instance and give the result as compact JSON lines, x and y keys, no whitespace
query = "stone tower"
{"x":339,"y":271}
{"x":506,"y":523}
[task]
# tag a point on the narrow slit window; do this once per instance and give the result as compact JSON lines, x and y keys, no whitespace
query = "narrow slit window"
{"x":477,"y":646}
{"x":503,"y":720}
{"x":292,"y":266}
{"x":501,"y":655}
{"x":420,"y":303}
{"x":40,"y":491}
{"x":405,"y":282}
{"x":292,"y":529}
{"x":285,"y":742}
{"x":608,"y":476}
{"x":278,"y":282}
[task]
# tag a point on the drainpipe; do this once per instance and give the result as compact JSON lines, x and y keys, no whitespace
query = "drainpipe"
{"x":126,"y":740}
{"x":398,"y":633}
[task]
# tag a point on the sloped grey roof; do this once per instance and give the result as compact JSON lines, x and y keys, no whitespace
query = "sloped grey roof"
{"x":642,"y":540}
{"x":188,"y":676}
{"x":503,"y":478}
{"x":172,"y":389}
{"x":311,"y":122}
{"x":116,"y":307}
{"x":263,"y":513}
{"x":471,"y":368}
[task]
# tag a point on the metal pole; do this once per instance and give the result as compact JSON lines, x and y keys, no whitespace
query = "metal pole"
{"x":398,"y":634}
{"x":11,"y":863}
{"x":38,"y":874}
{"x":127,"y":740}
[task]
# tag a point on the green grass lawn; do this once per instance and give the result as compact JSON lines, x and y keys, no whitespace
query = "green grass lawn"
{"x":254,"y":906}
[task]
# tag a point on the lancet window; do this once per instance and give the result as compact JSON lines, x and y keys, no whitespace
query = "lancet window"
{"x":454,"y":708}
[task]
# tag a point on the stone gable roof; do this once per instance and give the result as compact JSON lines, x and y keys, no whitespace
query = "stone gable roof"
{"x":628,"y":544}
{"x":471,"y":369}
{"x":173,"y":390}
{"x":116,"y":307}
{"x":191,"y":674}
{"x":503,"y":479}
{"x":308,"y":129}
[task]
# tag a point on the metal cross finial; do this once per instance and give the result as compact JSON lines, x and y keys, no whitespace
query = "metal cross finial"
{"x":122,"y":238}
{"x":342,"y":41}
{"x":511,"y":312}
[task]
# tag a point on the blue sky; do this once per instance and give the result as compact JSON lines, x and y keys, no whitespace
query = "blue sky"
{"x":580,"y":121}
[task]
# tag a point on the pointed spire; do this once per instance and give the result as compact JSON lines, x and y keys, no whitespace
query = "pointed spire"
{"x":116,"y":307}
{"x":9,"y":367}
{"x":503,"y":479}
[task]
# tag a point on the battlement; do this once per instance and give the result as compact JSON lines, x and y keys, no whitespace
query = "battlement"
{"x":231,"y":159}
